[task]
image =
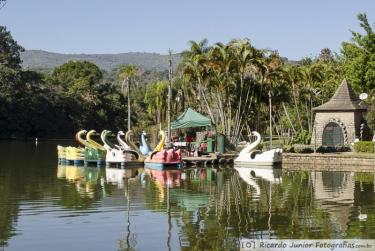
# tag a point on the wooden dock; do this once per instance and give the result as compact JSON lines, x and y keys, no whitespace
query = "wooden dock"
{"x":209,"y":159}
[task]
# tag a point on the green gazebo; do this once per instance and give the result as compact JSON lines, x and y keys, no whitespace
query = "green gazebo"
{"x":190,"y":118}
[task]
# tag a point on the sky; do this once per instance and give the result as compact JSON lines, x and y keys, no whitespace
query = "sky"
{"x":296,"y":28}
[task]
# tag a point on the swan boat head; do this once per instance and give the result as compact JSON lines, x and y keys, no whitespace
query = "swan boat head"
{"x":144,"y":147}
{"x":93,"y":143}
{"x":107,"y":143}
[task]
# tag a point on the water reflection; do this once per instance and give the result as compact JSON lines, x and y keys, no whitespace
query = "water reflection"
{"x":195,"y":208}
{"x":117,"y":176}
{"x":253,"y":175}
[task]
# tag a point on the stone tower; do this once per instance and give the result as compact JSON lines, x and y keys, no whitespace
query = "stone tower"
{"x":337,"y":122}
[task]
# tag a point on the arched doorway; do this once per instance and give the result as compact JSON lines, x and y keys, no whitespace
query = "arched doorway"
{"x":333,"y":135}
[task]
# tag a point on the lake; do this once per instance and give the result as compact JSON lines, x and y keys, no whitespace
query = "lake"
{"x":46,"y":206}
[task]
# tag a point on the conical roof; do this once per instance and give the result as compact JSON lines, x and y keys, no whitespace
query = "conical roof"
{"x":344,"y":99}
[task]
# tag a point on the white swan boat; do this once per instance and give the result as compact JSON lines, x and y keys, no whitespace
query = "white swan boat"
{"x":118,"y":153}
{"x":250,"y":156}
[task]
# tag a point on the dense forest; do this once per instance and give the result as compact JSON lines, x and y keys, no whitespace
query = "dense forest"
{"x":230,"y":83}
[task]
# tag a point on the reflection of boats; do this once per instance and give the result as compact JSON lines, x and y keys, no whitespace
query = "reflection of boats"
{"x":61,"y":152}
{"x":162,"y":158}
{"x":249,"y":155}
{"x":116,"y":176}
{"x":251,"y":174}
{"x":61,"y":171}
{"x":84,"y":178}
{"x":119,"y":154}
{"x":171,"y":178}
{"x":73,"y":173}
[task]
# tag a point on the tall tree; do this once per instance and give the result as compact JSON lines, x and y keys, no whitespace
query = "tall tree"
{"x":359,"y":57}
{"x":9,"y":50}
{"x":127,"y":72}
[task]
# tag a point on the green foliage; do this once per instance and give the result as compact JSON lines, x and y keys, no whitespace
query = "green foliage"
{"x":9,"y":50}
{"x":78,"y":78}
{"x":302,"y":137}
{"x":156,"y":97}
{"x":359,"y":57}
{"x":364,"y":147}
{"x":364,"y":177}
{"x":300,"y":148}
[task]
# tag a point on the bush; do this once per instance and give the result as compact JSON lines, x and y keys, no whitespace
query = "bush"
{"x":299,"y":148}
{"x":333,"y":149}
{"x":364,"y":147}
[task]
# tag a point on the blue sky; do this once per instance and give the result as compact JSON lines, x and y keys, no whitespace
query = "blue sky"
{"x":296,"y":28}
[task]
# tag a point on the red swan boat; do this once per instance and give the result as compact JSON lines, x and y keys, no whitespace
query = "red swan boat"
{"x":162,"y":158}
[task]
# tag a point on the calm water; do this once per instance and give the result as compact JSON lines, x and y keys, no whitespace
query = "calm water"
{"x":45,"y":206}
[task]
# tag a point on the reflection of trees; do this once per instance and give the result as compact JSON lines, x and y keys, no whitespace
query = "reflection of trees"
{"x":8,"y":208}
{"x":233,"y":211}
{"x":363,"y":204}
{"x":129,"y":241}
{"x":33,"y":177}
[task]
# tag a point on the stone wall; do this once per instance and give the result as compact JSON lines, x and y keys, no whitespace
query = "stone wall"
{"x":333,"y":162}
{"x":346,"y":120}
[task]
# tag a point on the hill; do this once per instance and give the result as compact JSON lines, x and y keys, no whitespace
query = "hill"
{"x":39,"y":59}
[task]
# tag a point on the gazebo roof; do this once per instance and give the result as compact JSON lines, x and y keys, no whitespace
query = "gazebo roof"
{"x":344,"y":99}
{"x":191,"y":118}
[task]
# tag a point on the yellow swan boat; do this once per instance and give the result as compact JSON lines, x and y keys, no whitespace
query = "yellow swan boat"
{"x":76,"y":154}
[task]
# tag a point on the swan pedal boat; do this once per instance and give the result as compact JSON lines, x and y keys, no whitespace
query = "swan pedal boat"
{"x":119,"y":154}
{"x":248,"y":156}
{"x":71,"y":153}
{"x":162,"y":158}
{"x":94,"y":152}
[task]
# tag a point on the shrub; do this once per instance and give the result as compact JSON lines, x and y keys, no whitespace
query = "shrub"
{"x":364,"y":147}
{"x":333,"y":149}
{"x":299,"y":148}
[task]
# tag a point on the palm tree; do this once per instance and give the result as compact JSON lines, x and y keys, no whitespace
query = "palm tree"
{"x":126,"y":73}
{"x":194,"y":70}
{"x":311,"y":75}
{"x":247,"y":60}
{"x":271,"y":73}
{"x":294,"y":76}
